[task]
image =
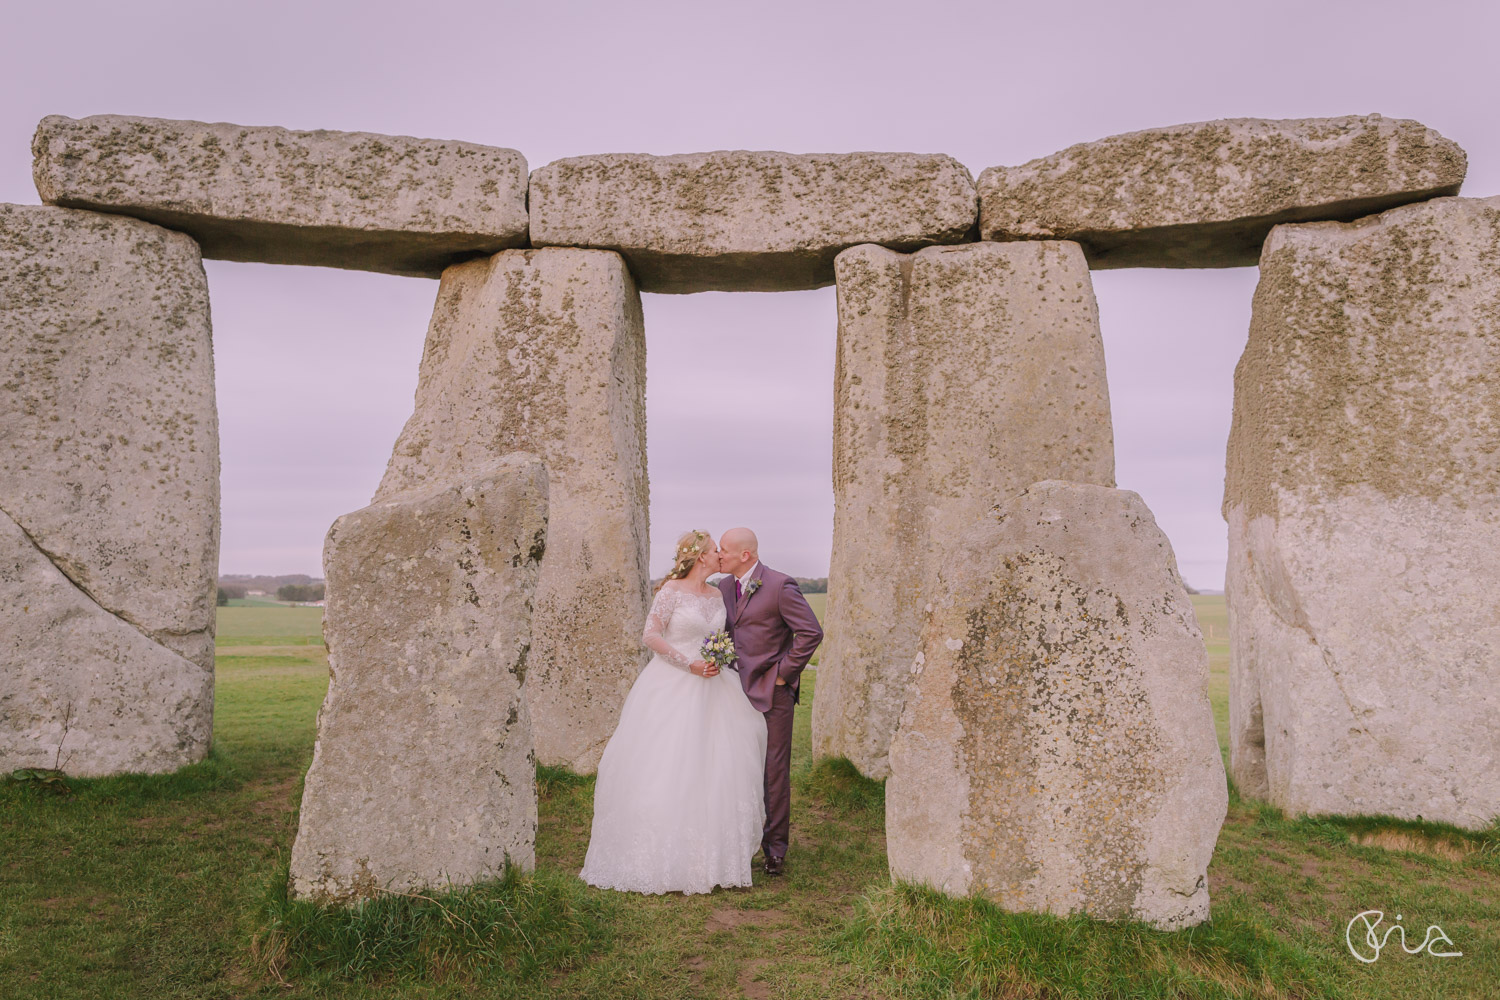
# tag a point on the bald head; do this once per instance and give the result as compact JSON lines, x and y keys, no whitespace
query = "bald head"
{"x":740,"y":540}
{"x":739,"y":549}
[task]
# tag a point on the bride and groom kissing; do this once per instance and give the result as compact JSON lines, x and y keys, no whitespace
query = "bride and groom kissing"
{"x":697,"y":774}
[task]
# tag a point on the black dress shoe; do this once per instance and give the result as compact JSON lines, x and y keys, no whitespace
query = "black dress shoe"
{"x":775,"y":866}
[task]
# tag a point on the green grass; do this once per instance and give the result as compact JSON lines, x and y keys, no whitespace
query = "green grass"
{"x":174,"y":886}
{"x":148,"y":886}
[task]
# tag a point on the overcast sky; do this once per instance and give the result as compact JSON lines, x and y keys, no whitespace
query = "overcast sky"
{"x":316,"y":367}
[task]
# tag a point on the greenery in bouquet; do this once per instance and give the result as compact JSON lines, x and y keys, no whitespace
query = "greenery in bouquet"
{"x":718,"y":649}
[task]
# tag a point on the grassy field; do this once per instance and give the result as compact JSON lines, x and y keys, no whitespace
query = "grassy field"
{"x":174,"y":887}
{"x":819,"y":604}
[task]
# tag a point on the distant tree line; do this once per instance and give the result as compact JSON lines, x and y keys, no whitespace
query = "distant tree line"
{"x":300,"y":592}
{"x":261,"y":582}
{"x":813,"y":585}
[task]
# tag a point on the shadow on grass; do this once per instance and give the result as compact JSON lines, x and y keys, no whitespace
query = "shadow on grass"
{"x":521,"y":926}
{"x":837,"y":784}
{"x":215,"y":773}
{"x":1443,"y":840}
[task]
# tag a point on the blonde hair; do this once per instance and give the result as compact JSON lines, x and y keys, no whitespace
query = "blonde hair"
{"x":689,"y":548}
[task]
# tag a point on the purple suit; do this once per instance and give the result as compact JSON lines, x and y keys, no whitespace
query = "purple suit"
{"x":775,"y":633}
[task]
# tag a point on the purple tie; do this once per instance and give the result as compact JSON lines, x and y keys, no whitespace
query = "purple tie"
{"x":737,"y":594}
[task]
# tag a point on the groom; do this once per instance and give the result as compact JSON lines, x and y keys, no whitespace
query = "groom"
{"x":775,"y":633}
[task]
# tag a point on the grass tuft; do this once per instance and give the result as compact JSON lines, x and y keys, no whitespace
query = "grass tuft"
{"x":559,"y":779}
{"x":522,"y":925}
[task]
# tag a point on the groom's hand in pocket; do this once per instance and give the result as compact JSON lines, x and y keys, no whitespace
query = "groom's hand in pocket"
{"x":703,"y":668}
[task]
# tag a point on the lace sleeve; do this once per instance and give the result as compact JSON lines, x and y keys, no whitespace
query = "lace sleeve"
{"x":655,"y":636}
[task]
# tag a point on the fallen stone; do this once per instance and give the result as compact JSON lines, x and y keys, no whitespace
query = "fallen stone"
{"x":423,"y":774}
{"x":1057,"y":752}
{"x":355,"y":200}
{"x":544,"y":351}
{"x":109,"y":451}
{"x":1206,"y":194}
{"x":962,"y":373}
{"x":82,"y":691}
{"x":1363,"y":502}
{"x":749,"y":221}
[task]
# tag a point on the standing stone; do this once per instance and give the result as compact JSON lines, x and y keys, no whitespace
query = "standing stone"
{"x":1057,"y":751}
{"x":81,"y":690}
{"x":544,"y":351}
{"x":963,"y":373}
{"x":1206,"y":194}
{"x":749,"y":221}
{"x":355,"y":200}
{"x":423,"y":774}
{"x":109,"y":464}
{"x":1363,"y":501}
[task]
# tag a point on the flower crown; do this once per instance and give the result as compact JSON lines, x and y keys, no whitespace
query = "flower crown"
{"x":693,"y":547}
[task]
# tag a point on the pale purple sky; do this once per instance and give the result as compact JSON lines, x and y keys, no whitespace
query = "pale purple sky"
{"x":316,"y":367}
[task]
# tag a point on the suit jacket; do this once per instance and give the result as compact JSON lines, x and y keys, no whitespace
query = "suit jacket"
{"x":775,"y":633}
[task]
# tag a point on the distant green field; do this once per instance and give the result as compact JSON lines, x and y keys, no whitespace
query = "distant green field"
{"x":1213,"y":619}
{"x":269,"y":625}
{"x":257,"y":602}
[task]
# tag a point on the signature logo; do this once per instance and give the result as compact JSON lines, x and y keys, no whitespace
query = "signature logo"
{"x":1373,"y":942}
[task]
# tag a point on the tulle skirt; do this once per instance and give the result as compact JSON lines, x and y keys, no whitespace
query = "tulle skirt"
{"x":679,"y":802}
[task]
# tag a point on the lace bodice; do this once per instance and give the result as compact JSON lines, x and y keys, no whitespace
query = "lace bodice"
{"x":678,"y":623}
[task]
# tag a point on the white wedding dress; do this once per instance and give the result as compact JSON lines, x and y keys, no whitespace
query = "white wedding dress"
{"x":679,"y":801}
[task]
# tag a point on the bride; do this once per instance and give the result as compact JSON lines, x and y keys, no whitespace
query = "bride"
{"x":679,"y":800}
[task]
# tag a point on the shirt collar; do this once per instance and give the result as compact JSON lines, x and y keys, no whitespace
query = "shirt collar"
{"x":746,"y":578}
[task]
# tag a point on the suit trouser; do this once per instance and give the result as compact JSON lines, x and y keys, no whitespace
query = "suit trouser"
{"x":773,"y":841}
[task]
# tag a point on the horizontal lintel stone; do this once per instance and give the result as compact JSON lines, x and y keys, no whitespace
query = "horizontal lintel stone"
{"x":749,"y":221}
{"x":356,"y":200}
{"x":1207,"y":194}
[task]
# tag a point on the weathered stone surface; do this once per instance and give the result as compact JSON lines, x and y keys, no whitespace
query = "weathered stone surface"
{"x":749,"y":221}
{"x":423,"y":773}
{"x":1206,"y":194}
{"x":81,"y":690}
{"x":1363,"y":501}
{"x":544,"y":351}
{"x":109,"y":454}
{"x":355,"y":200}
{"x":1057,"y":750}
{"x":963,"y":373}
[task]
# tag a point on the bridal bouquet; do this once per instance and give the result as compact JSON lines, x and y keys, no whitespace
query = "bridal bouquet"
{"x":718,"y":649}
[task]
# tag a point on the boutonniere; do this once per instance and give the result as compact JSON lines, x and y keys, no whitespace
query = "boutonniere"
{"x":752,"y":586}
